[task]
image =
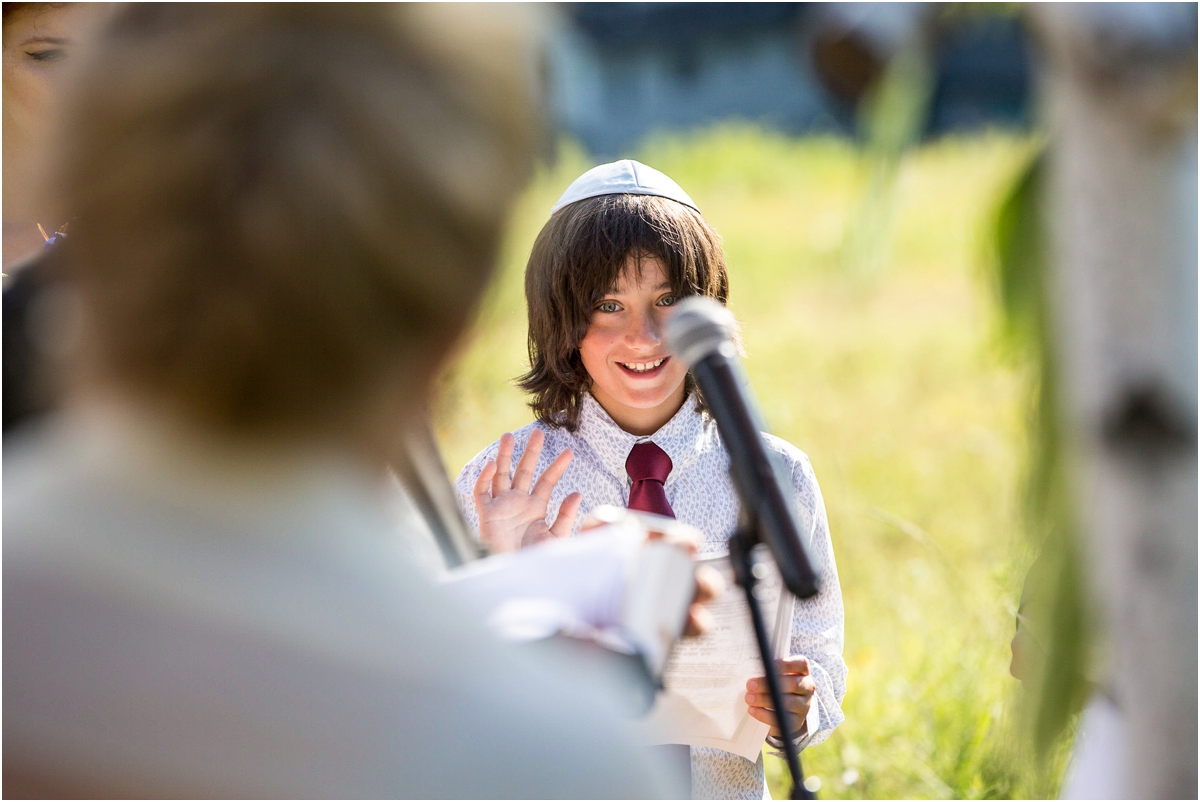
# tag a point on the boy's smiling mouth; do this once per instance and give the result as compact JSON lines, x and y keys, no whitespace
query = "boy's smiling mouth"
{"x":644,"y":368}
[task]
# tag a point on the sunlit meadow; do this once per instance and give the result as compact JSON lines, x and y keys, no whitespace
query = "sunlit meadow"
{"x":876,"y":352}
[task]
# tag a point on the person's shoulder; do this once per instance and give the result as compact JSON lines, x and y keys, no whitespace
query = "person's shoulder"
{"x":794,"y":460}
{"x":799,"y":471}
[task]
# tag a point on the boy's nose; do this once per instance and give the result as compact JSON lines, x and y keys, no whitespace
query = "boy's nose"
{"x":644,"y":329}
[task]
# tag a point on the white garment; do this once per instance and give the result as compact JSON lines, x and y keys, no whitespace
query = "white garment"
{"x":1099,"y":765}
{"x":701,"y":494}
{"x":177,"y":624}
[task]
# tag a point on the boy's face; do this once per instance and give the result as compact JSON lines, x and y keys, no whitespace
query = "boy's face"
{"x":634,"y":378}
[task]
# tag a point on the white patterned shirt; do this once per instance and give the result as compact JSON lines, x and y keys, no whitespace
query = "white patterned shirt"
{"x":701,"y":494}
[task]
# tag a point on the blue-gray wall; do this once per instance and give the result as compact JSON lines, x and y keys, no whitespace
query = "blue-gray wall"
{"x":620,"y":71}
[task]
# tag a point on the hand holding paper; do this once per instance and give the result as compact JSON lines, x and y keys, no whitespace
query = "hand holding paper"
{"x":710,"y":584}
{"x":798,"y":689}
{"x":704,"y":702}
{"x":628,"y":584}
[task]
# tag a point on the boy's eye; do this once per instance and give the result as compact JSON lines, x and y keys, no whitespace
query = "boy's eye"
{"x":667,"y":300}
{"x":52,"y":54}
{"x":608,"y":306}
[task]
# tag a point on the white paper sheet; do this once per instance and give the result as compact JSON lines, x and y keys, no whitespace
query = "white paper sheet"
{"x":704,"y":702}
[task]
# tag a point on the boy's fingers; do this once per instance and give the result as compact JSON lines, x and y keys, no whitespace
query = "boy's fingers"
{"x":680,"y":536}
{"x":503,"y":480}
{"x":765,"y":716}
{"x":803,"y":687}
{"x":550,"y":476}
{"x":709,"y":584}
{"x":760,"y":701}
{"x":699,"y":620}
{"x":793,"y":665}
{"x":523,"y":475}
{"x":791,"y":683}
{"x":590,"y":523}
{"x":483,"y":485}
{"x":566,"y":515}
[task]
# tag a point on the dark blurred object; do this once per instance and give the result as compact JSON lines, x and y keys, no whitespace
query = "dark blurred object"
{"x":423,"y":473}
{"x":29,"y":386}
{"x":852,"y":44}
{"x":846,"y":65}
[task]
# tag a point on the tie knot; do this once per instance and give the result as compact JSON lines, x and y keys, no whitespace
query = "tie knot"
{"x":648,"y":461}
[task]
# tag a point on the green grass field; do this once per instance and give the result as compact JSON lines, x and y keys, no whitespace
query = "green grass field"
{"x":892,"y":379}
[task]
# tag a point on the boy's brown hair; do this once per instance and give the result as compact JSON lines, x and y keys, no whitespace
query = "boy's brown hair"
{"x":280,"y":209}
{"x":579,"y":257}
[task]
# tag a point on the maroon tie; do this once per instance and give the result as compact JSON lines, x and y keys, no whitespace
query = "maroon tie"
{"x":649,"y":466}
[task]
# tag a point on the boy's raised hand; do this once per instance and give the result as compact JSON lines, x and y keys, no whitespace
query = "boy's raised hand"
{"x":511,"y":514}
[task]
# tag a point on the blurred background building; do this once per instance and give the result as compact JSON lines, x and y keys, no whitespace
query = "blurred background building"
{"x":620,"y":71}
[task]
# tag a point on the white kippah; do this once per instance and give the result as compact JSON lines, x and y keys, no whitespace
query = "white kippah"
{"x":625,"y":177}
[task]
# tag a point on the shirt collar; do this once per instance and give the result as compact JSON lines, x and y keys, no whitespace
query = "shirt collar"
{"x":681,"y":436}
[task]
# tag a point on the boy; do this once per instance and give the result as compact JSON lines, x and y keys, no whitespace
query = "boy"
{"x":619,"y":422}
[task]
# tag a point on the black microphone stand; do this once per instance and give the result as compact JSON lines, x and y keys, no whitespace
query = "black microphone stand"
{"x":741,"y":558}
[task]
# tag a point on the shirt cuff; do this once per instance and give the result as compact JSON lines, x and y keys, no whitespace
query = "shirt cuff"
{"x":812,"y":723}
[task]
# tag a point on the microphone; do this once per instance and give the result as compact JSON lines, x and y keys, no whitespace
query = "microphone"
{"x":700,"y":332}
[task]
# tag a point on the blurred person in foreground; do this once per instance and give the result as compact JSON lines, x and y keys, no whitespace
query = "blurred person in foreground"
{"x":285,"y":216}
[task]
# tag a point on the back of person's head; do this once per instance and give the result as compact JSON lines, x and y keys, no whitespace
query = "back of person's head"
{"x":578,"y":257}
{"x":283,"y":214}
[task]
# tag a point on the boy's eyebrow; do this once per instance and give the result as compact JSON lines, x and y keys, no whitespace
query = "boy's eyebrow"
{"x":664,"y":286}
{"x":45,"y":40}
